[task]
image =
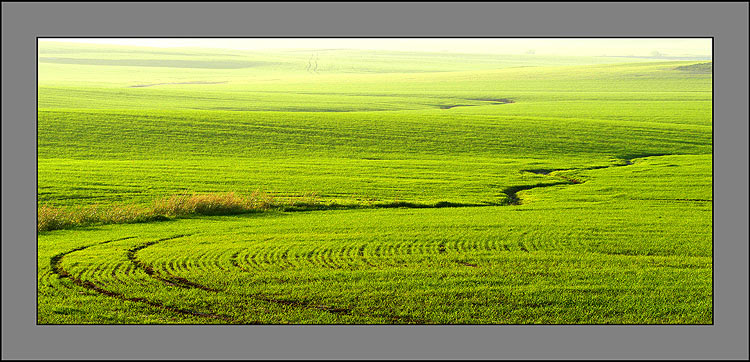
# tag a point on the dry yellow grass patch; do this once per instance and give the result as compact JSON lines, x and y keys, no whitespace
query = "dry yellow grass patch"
{"x":53,"y":218}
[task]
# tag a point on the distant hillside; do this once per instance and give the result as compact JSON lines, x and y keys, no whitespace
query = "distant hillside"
{"x":703,"y":68}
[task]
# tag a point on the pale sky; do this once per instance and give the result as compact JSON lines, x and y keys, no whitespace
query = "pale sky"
{"x":540,"y":46}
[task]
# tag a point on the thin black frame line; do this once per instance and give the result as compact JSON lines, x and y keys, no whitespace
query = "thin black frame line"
{"x":713,"y":189}
{"x":36,"y":129}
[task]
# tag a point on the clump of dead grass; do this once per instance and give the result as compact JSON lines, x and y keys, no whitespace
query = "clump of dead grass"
{"x":213,"y":204}
{"x":54,"y":218}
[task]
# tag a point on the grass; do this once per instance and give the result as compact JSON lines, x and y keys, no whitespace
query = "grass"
{"x":54,"y":218}
{"x":394,"y":193}
{"x":609,"y":258}
{"x":177,"y":206}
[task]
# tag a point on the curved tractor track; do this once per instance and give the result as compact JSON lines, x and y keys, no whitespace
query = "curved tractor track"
{"x":56,"y":266}
{"x":126,"y":276}
{"x":130,"y":282}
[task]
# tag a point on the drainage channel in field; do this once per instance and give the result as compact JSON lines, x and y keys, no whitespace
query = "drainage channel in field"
{"x":512,"y":191}
{"x":490,"y":101}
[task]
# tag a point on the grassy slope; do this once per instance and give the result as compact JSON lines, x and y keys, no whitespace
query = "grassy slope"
{"x":630,"y":245}
{"x":601,"y":255}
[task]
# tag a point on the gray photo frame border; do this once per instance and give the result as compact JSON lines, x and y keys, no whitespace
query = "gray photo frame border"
{"x":727,"y":23}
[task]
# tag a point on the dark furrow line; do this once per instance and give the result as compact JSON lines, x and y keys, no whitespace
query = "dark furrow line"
{"x":169,"y":279}
{"x":310,"y":257}
{"x":344,"y":256}
{"x":281,"y":254}
{"x":199,"y":263}
{"x":252,"y":261}
{"x":218,"y":263}
{"x":183,"y":264}
{"x":409,"y":248}
{"x":269,"y":255}
{"x":171,"y":264}
{"x":54,"y":262}
{"x":236,"y":264}
{"x":361,"y":253}
{"x":322,"y":260}
{"x":310,"y":305}
{"x":327,"y":258}
{"x":285,"y":258}
{"x":56,"y":265}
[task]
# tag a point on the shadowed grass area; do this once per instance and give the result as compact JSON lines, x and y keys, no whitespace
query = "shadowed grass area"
{"x":705,"y":68}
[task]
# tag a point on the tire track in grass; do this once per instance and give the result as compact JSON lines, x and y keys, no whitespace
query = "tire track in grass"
{"x":121,"y":268}
{"x":285,"y":258}
{"x":56,"y":267}
{"x":236,"y":264}
{"x":328,"y":259}
{"x":252,"y":260}
{"x":235,"y":257}
{"x":321,"y":254}
{"x":361,"y":254}
{"x":343,"y":256}
{"x":184,"y":283}
{"x":222,"y":260}
{"x":282,"y":255}
{"x":330,"y":256}
{"x":177,"y":281}
{"x":169,"y":279}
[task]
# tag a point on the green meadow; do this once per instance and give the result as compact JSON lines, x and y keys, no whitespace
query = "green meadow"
{"x":333,"y":186}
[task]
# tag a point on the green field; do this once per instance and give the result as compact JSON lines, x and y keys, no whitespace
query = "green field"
{"x":408,"y":187}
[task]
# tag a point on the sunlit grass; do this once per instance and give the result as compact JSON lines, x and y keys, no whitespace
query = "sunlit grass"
{"x":394,"y":191}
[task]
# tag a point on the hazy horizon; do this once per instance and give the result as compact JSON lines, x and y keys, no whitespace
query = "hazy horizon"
{"x":697,"y":47}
